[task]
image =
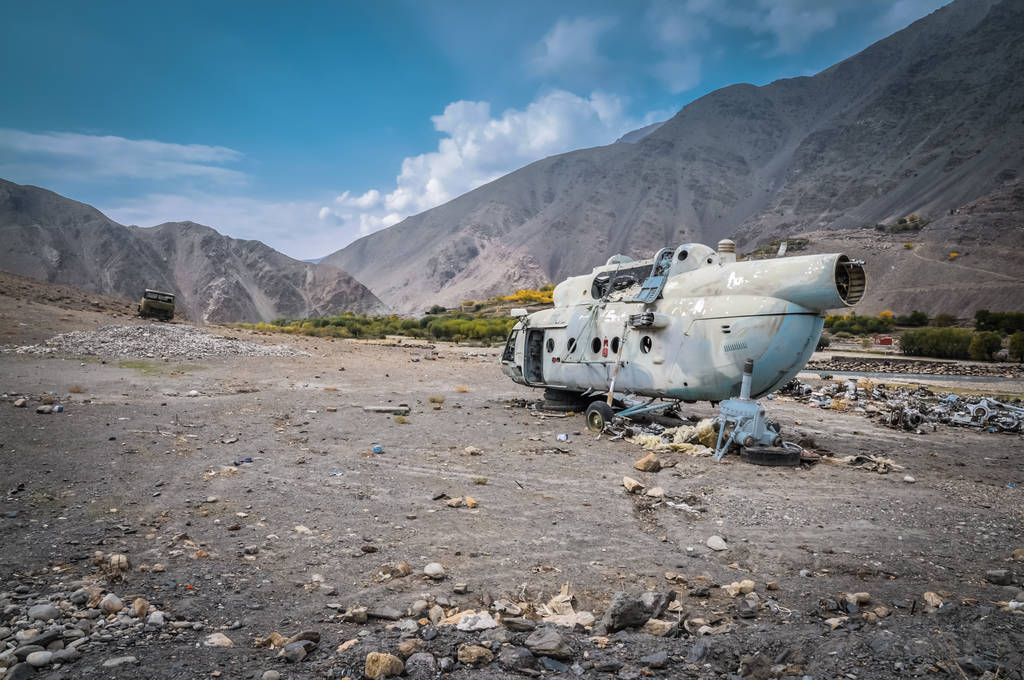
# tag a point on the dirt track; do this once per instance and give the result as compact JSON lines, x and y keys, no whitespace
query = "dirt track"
{"x":142,"y":464}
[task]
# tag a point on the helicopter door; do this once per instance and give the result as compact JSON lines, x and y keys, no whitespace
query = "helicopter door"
{"x":533,"y":364}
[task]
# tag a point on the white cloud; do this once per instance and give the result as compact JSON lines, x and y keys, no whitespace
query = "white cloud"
{"x":571,"y":46}
{"x":902,"y":13}
{"x":680,"y":73}
{"x":478,"y":148}
{"x":77,"y":156}
{"x":300,"y":229}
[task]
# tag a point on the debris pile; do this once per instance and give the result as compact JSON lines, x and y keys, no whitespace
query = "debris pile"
{"x":696,"y":440}
{"x":153,"y":341}
{"x":909,"y":408}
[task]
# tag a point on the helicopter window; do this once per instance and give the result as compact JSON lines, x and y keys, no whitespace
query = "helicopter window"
{"x":615,"y":345}
{"x":550,"y":345}
{"x":510,"y":347}
{"x":645,"y":344}
{"x":682,"y":255}
{"x":595,"y":345}
{"x":571,"y":345}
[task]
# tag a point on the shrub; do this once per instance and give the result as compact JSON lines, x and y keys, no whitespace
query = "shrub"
{"x":944,"y":320}
{"x":914,"y":319}
{"x":1016,"y":346}
{"x":943,"y":343}
{"x":859,"y":325}
{"x":823,"y":342}
{"x":984,"y":345}
{"x":1004,"y":322}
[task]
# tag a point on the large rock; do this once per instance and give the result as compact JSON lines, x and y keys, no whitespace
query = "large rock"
{"x":380,"y":666}
{"x":547,"y":642}
{"x":648,"y":463}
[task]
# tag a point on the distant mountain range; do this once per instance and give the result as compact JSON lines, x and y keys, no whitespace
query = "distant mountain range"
{"x":928,"y":121}
{"x":215,"y":278}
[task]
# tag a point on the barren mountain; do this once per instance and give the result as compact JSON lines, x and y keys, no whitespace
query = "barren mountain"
{"x":927,"y":121}
{"x":215,"y":278}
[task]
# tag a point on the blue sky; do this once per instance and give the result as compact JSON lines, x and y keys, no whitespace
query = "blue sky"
{"x":308,"y":127}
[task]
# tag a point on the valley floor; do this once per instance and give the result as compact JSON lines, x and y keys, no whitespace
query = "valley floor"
{"x":150,"y":459}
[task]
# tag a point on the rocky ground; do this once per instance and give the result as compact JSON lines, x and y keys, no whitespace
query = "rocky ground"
{"x":231,"y":514}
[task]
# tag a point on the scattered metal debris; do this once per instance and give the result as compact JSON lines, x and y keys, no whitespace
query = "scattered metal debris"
{"x":907,"y":408}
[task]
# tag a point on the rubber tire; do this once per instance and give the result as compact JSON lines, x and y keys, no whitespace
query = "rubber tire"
{"x":786,"y":455}
{"x":599,"y":415}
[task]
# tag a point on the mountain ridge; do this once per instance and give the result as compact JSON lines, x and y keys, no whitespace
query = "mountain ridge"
{"x":216,"y":278}
{"x":924,"y":121}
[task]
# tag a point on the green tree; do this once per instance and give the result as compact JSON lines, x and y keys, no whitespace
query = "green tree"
{"x":944,"y":320}
{"x":984,"y":345}
{"x":1017,"y":346}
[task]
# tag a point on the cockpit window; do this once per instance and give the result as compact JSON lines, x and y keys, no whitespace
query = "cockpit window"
{"x":510,"y":347}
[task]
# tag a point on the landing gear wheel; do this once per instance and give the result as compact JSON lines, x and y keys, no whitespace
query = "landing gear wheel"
{"x":786,"y":455}
{"x":599,"y":415}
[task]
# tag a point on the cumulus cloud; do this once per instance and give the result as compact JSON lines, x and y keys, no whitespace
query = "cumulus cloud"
{"x":77,"y":156}
{"x":478,"y":147}
{"x":571,"y":47}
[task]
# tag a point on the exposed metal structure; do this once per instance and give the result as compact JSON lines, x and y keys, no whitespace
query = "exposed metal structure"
{"x":683,"y":326}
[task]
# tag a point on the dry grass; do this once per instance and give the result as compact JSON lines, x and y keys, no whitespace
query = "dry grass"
{"x":401,"y":420}
{"x":462,"y":388}
{"x":76,"y":389}
{"x":436,"y":399}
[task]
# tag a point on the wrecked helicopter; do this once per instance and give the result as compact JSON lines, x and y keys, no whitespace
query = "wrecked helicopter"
{"x":691,"y":324}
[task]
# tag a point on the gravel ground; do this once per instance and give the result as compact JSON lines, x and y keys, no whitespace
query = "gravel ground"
{"x":151,"y":341}
{"x":260,"y":504}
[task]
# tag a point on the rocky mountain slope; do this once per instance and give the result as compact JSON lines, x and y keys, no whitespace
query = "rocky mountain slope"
{"x":927,"y":121}
{"x":215,"y":278}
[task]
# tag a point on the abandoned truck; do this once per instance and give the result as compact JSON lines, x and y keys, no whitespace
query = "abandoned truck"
{"x":157,"y":304}
{"x":682,"y":326}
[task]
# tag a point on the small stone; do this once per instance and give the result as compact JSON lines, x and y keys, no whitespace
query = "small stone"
{"x":717,"y":543}
{"x":407,"y":648}
{"x":434,"y":570}
{"x":858,"y":598}
{"x":156,"y":619}
{"x":45,"y":408}
{"x":746,"y":609}
{"x":380,"y":666}
{"x":347,"y":645}
{"x":648,"y":463}
{"x":517,"y":658}
{"x":20,"y":403}
{"x":460,"y":589}
{"x":519,"y":625}
{"x":659,"y":628}
{"x":475,"y":655}
{"x":909,"y":479}
{"x":475,"y":622}
{"x":218,"y":640}
{"x":111,"y":604}
{"x":140,"y":607}
{"x":632,"y":486}
{"x":43,"y":612}
{"x":294,"y":652}
{"x":655,"y":492}
{"x":656,"y":660}
{"x":547,"y":642}
{"x":420,"y":666}
{"x":39,"y":659}
{"x":771,"y":585}
{"x":1018,"y":555}
{"x":271,"y":675}
{"x":119,"y":661}
{"x":999,"y":577}
{"x":386,"y":613}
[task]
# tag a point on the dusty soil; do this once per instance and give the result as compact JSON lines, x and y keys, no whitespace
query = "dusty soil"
{"x":134,"y":465}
